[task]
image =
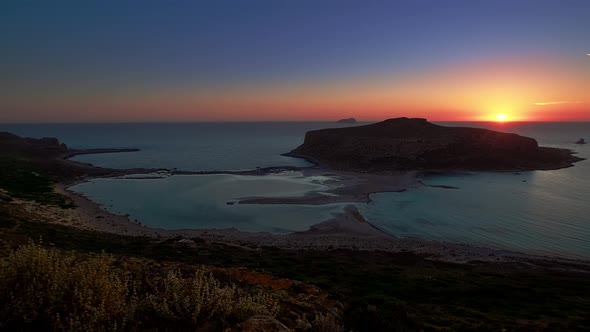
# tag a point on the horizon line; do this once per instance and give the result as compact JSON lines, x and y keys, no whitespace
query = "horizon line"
{"x":278,"y":121}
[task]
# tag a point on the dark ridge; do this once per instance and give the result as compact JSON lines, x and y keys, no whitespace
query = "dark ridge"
{"x":49,"y":155}
{"x":416,"y":144}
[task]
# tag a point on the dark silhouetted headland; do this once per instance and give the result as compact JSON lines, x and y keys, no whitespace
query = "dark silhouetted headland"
{"x":49,"y":155}
{"x":416,"y":144}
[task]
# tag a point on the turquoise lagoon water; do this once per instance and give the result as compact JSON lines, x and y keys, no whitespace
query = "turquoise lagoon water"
{"x":542,"y":212}
{"x":201,"y":201}
{"x":492,"y":210}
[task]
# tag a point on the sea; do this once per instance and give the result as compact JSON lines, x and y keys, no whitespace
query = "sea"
{"x":539,"y":212}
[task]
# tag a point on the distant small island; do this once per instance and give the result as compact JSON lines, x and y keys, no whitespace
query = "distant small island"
{"x":416,"y":144}
{"x":347,"y":120}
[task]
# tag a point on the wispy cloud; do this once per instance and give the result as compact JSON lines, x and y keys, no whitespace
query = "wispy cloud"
{"x":544,"y":103}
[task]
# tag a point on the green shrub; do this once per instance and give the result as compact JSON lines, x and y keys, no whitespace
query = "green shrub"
{"x":201,"y":296}
{"x":58,"y":290}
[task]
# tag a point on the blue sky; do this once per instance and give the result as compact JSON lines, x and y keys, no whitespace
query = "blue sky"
{"x":135,"y":48}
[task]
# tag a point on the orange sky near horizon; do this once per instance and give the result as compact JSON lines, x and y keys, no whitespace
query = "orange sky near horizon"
{"x":268,"y":60}
{"x":519,"y":88}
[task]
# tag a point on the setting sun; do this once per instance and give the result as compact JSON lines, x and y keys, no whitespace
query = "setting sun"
{"x":501,"y":117}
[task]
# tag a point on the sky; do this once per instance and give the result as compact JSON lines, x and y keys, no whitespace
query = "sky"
{"x":285,"y":60}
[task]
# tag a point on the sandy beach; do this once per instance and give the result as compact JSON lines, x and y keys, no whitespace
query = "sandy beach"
{"x":346,"y":230}
{"x":347,"y":187}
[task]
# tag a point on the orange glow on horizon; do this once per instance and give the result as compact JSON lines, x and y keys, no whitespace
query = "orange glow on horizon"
{"x":519,"y":90}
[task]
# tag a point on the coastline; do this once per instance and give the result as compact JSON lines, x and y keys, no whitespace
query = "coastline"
{"x":346,"y":230}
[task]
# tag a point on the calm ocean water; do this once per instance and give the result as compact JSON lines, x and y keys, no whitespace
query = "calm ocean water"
{"x":544,"y":212}
{"x":190,"y":146}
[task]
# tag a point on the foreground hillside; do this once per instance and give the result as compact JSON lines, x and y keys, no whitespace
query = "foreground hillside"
{"x":375,"y":291}
{"x":68,"y":290}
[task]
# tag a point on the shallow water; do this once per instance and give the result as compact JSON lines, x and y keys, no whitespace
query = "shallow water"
{"x":548,"y":213}
{"x":200,"y":201}
{"x":492,"y":210}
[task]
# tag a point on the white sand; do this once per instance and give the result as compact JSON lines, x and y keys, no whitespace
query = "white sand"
{"x":347,"y":230}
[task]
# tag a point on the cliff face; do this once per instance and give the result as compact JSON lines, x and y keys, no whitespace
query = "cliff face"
{"x":404,"y":143}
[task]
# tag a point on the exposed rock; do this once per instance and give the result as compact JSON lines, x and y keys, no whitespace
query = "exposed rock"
{"x":347,"y":120}
{"x":581,"y":141}
{"x":403,"y":143}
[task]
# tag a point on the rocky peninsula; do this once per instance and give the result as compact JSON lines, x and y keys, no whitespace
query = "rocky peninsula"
{"x":416,"y":144}
{"x":50,"y":157}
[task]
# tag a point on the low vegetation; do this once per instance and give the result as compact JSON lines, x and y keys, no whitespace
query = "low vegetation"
{"x":20,"y":179}
{"x":43,"y":288}
{"x":379,"y":291}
